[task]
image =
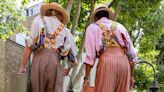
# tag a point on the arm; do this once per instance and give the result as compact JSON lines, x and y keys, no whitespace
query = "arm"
{"x":131,"y":73}
{"x":130,"y":49}
{"x":71,"y":47}
{"x":87,"y":73}
{"x":90,"y":47}
{"x":29,"y":42}
{"x":131,"y":63}
{"x":73,"y":51}
{"x":26,"y":55}
{"x":131,"y":68}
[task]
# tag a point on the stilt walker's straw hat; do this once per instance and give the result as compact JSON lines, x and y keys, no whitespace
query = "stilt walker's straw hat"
{"x":98,"y":8}
{"x":57,"y":7}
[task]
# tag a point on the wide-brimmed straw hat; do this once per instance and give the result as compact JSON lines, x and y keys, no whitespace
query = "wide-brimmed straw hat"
{"x":98,"y":8}
{"x":57,"y":7}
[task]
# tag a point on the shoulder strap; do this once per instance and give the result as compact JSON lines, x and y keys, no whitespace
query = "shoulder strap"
{"x":113,"y":28}
{"x":125,"y":41}
{"x":58,"y":30}
{"x":44,"y":22}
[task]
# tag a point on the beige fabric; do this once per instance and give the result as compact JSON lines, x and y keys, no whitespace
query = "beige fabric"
{"x":98,"y":8}
{"x":18,"y":82}
{"x":52,"y":24}
{"x":46,"y":72}
{"x":57,"y":7}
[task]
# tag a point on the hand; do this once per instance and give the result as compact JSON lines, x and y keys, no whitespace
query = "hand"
{"x":131,"y":82}
{"x":22,"y":70}
{"x":86,"y":83}
{"x":74,"y":64}
{"x":65,"y":72}
{"x":86,"y":80}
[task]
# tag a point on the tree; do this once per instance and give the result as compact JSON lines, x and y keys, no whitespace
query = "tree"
{"x":69,"y":5}
{"x":10,"y":18}
{"x":142,"y":18}
{"x":160,"y":47}
{"x":76,"y":17}
{"x":160,"y":61}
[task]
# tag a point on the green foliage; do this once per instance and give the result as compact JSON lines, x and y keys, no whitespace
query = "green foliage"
{"x":160,"y":45}
{"x":142,"y":80}
{"x":144,"y":21}
{"x":153,"y":30}
{"x":139,"y":14}
{"x":160,"y":76}
{"x":142,"y":18}
{"x":10,"y":17}
{"x":84,"y":18}
{"x":160,"y":67}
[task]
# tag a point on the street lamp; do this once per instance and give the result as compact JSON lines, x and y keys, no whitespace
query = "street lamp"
{"x":154,"y":87}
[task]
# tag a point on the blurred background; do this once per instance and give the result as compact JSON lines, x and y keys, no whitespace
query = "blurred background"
{"x":144,"y":20}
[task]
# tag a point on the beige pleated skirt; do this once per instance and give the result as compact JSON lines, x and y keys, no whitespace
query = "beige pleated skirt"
{"x":113,"y":71}
{"x":45,"y":73}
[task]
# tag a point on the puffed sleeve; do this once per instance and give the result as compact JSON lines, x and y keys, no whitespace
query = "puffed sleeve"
{"x":65,"y":43}
{"x":90,"y":45}
{"x":130,"y":45}
{"x":34,"y":32}
{"x":71,"y":41}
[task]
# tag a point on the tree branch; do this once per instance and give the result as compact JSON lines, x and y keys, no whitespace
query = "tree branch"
{"x":138,"y":34}
{"x":76,"y":17}
{"x":160,"y":57}
{"x":69,"y":5}
{"x":117,"y":11}
{"x":81,"y":47}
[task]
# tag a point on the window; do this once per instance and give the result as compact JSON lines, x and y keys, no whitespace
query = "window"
{"x":31,"y":10}
{"x":27,"y":12}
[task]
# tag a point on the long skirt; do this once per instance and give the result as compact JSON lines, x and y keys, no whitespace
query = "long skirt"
{"x":45,"y":72}
{"x":113,"y":71}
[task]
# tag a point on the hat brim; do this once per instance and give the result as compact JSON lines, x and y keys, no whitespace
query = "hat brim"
{"x":92,"y":17}
{"x":57,"y":7}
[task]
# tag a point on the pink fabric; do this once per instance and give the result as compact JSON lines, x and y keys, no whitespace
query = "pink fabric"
{"x":93,"y":39}
{"x":113,"y":72}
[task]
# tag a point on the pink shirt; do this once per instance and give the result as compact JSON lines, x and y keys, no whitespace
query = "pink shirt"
{"x":93,"y":40}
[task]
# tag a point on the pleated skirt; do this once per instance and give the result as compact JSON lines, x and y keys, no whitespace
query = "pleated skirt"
{"x":45,"y":72}
{"x":113,"y":71}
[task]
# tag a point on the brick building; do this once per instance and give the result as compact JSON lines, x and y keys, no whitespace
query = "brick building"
{"x":12,"y":50}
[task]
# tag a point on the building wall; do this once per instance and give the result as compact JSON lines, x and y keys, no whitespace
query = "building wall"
{"x":11,"y":52}
{"x":28,"y":21}
{"x":2,"y":61}
{"x":13,"y":55}
{"x":33,"y":8}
